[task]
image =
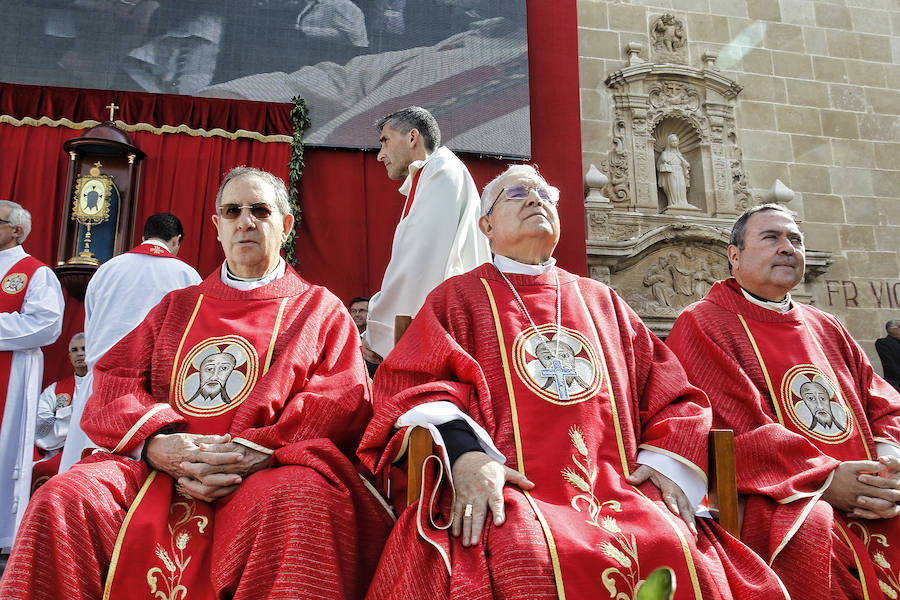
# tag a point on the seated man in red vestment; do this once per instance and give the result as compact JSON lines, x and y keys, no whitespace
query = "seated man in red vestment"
{"x":572,"y":438}
{"x":230,"y":414}
{"x":816,"y":430}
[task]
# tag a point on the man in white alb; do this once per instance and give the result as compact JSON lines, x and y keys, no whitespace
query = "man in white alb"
{"x":31,"y":312}
{"x":54,"y":413}
{"x":437,"y":236}
{"x":119,"y":296}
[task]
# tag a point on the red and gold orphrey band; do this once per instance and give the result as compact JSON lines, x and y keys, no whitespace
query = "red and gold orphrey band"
{"x":578,"y":470}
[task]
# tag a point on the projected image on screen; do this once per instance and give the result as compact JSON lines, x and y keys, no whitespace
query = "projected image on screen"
{"x":352,"y":60}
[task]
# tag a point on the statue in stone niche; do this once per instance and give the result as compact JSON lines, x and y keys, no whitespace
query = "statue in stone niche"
{"x":674,"y":174}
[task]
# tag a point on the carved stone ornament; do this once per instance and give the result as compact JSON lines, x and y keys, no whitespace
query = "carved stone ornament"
{"x":677,"y":181}
{"x":654,"y":101}
{"x":675,"y":95}
{"x":668,"y":40}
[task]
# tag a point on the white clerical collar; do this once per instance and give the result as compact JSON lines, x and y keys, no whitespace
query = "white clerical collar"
{"x":242,"y":283}
{"x":157,"y":243}
{"x":781,"y":306}
{"x":508,"y":265}
{"x":13,"y":252}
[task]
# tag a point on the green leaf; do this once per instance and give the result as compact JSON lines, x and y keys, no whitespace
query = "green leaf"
{"x":659,"y":585}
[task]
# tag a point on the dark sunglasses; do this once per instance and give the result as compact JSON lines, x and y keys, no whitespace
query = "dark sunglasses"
{"x":259,"y":211}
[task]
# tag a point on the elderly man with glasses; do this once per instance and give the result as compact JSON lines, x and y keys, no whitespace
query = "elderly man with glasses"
{"x":31,"y":312}
{"x":245,"y":491}
{"x":574,"y":446}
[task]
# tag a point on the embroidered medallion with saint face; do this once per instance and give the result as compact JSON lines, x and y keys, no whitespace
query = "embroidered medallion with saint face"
{"x":14,"y":282}
{"x":814,"y":405}
{"x":215,"y":376}
{"x":63,"y":400}
{"x":561,"y":370}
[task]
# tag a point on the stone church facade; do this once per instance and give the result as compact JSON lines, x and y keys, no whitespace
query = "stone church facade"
{"x":693,"y":110}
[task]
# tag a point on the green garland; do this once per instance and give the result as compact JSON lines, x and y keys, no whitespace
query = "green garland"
{"x":300,"y":118}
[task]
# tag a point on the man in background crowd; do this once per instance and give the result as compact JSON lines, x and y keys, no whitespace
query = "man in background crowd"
{"x":119,"y":296}
{"x":54,"y":412}
{"x":888,"y":349}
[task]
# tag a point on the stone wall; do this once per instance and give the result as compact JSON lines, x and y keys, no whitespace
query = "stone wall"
{"x":819,"y":110}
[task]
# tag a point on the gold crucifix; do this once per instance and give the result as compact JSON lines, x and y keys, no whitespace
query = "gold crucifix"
{"x":112,"y":110}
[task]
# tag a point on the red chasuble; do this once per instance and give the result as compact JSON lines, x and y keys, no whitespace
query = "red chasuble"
{"x":216,"y":368}
{"x":275,"y":367}
{"x":801,"y":397}
{"x":569,"y":409}
{"x":12,"y":295}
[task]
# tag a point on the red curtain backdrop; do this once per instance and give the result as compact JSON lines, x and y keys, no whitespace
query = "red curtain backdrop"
{"x":350,"y":207}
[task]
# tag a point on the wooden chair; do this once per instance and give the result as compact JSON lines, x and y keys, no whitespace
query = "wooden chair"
{"x":723,"y":496}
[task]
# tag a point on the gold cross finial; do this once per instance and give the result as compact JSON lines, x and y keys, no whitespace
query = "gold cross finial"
{"x":112,"y":110}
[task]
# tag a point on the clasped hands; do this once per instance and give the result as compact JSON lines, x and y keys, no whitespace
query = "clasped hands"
{"x":479,"y":482}
{"x":208,"y":467}
{"x":866,"y":489}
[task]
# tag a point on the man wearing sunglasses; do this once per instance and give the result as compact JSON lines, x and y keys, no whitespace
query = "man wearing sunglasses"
{"x":437,"y":236}
{"x":120,"y":294}
{"x":244,"y":490}
{"x":31,"y":311}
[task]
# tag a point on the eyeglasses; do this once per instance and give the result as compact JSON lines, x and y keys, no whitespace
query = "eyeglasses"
{"x":259,"y":210}
{"x":547,"y":194}
{"x":7,"y":222}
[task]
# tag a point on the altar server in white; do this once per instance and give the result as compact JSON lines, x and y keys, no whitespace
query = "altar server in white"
{"x":119,"y":296}
{"x":31,"y":314}
{"x":437,"y":236}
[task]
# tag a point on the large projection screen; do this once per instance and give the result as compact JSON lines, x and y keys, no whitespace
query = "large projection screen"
{"x":353,"y":61}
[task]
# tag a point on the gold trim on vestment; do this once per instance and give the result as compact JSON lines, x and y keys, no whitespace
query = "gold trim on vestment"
{"x":274,"y":335}
{"x":117,"y":549}
{"x":159,"y":130}
{"x":140,"y":422}
{"x":422,"y":500}
{"x":689,"y":560}
{"x":181,"y":343}
{"x":506,"y":373}
{"x":551,"y":544}
{"x":404,"y":445}
{"x":253,"y":445}
{"x":762,"y":365}
{"x":801,"y":517}
{"x":859,"y":569}
{"x":384,"y":503}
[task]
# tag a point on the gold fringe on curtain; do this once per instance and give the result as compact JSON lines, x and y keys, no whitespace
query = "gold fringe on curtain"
{"x":240,"y":133}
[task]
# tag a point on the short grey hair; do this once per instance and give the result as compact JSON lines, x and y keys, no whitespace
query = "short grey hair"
{"x":80,"y":334}
{"x":281,"y":193}
{"x":891,"y":323}
{"x":414,"y":117}
{"x":492,"y":189}
{"x":18,"y":217}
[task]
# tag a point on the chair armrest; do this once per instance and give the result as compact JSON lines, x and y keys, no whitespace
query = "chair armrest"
{"x":723,"y":480}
